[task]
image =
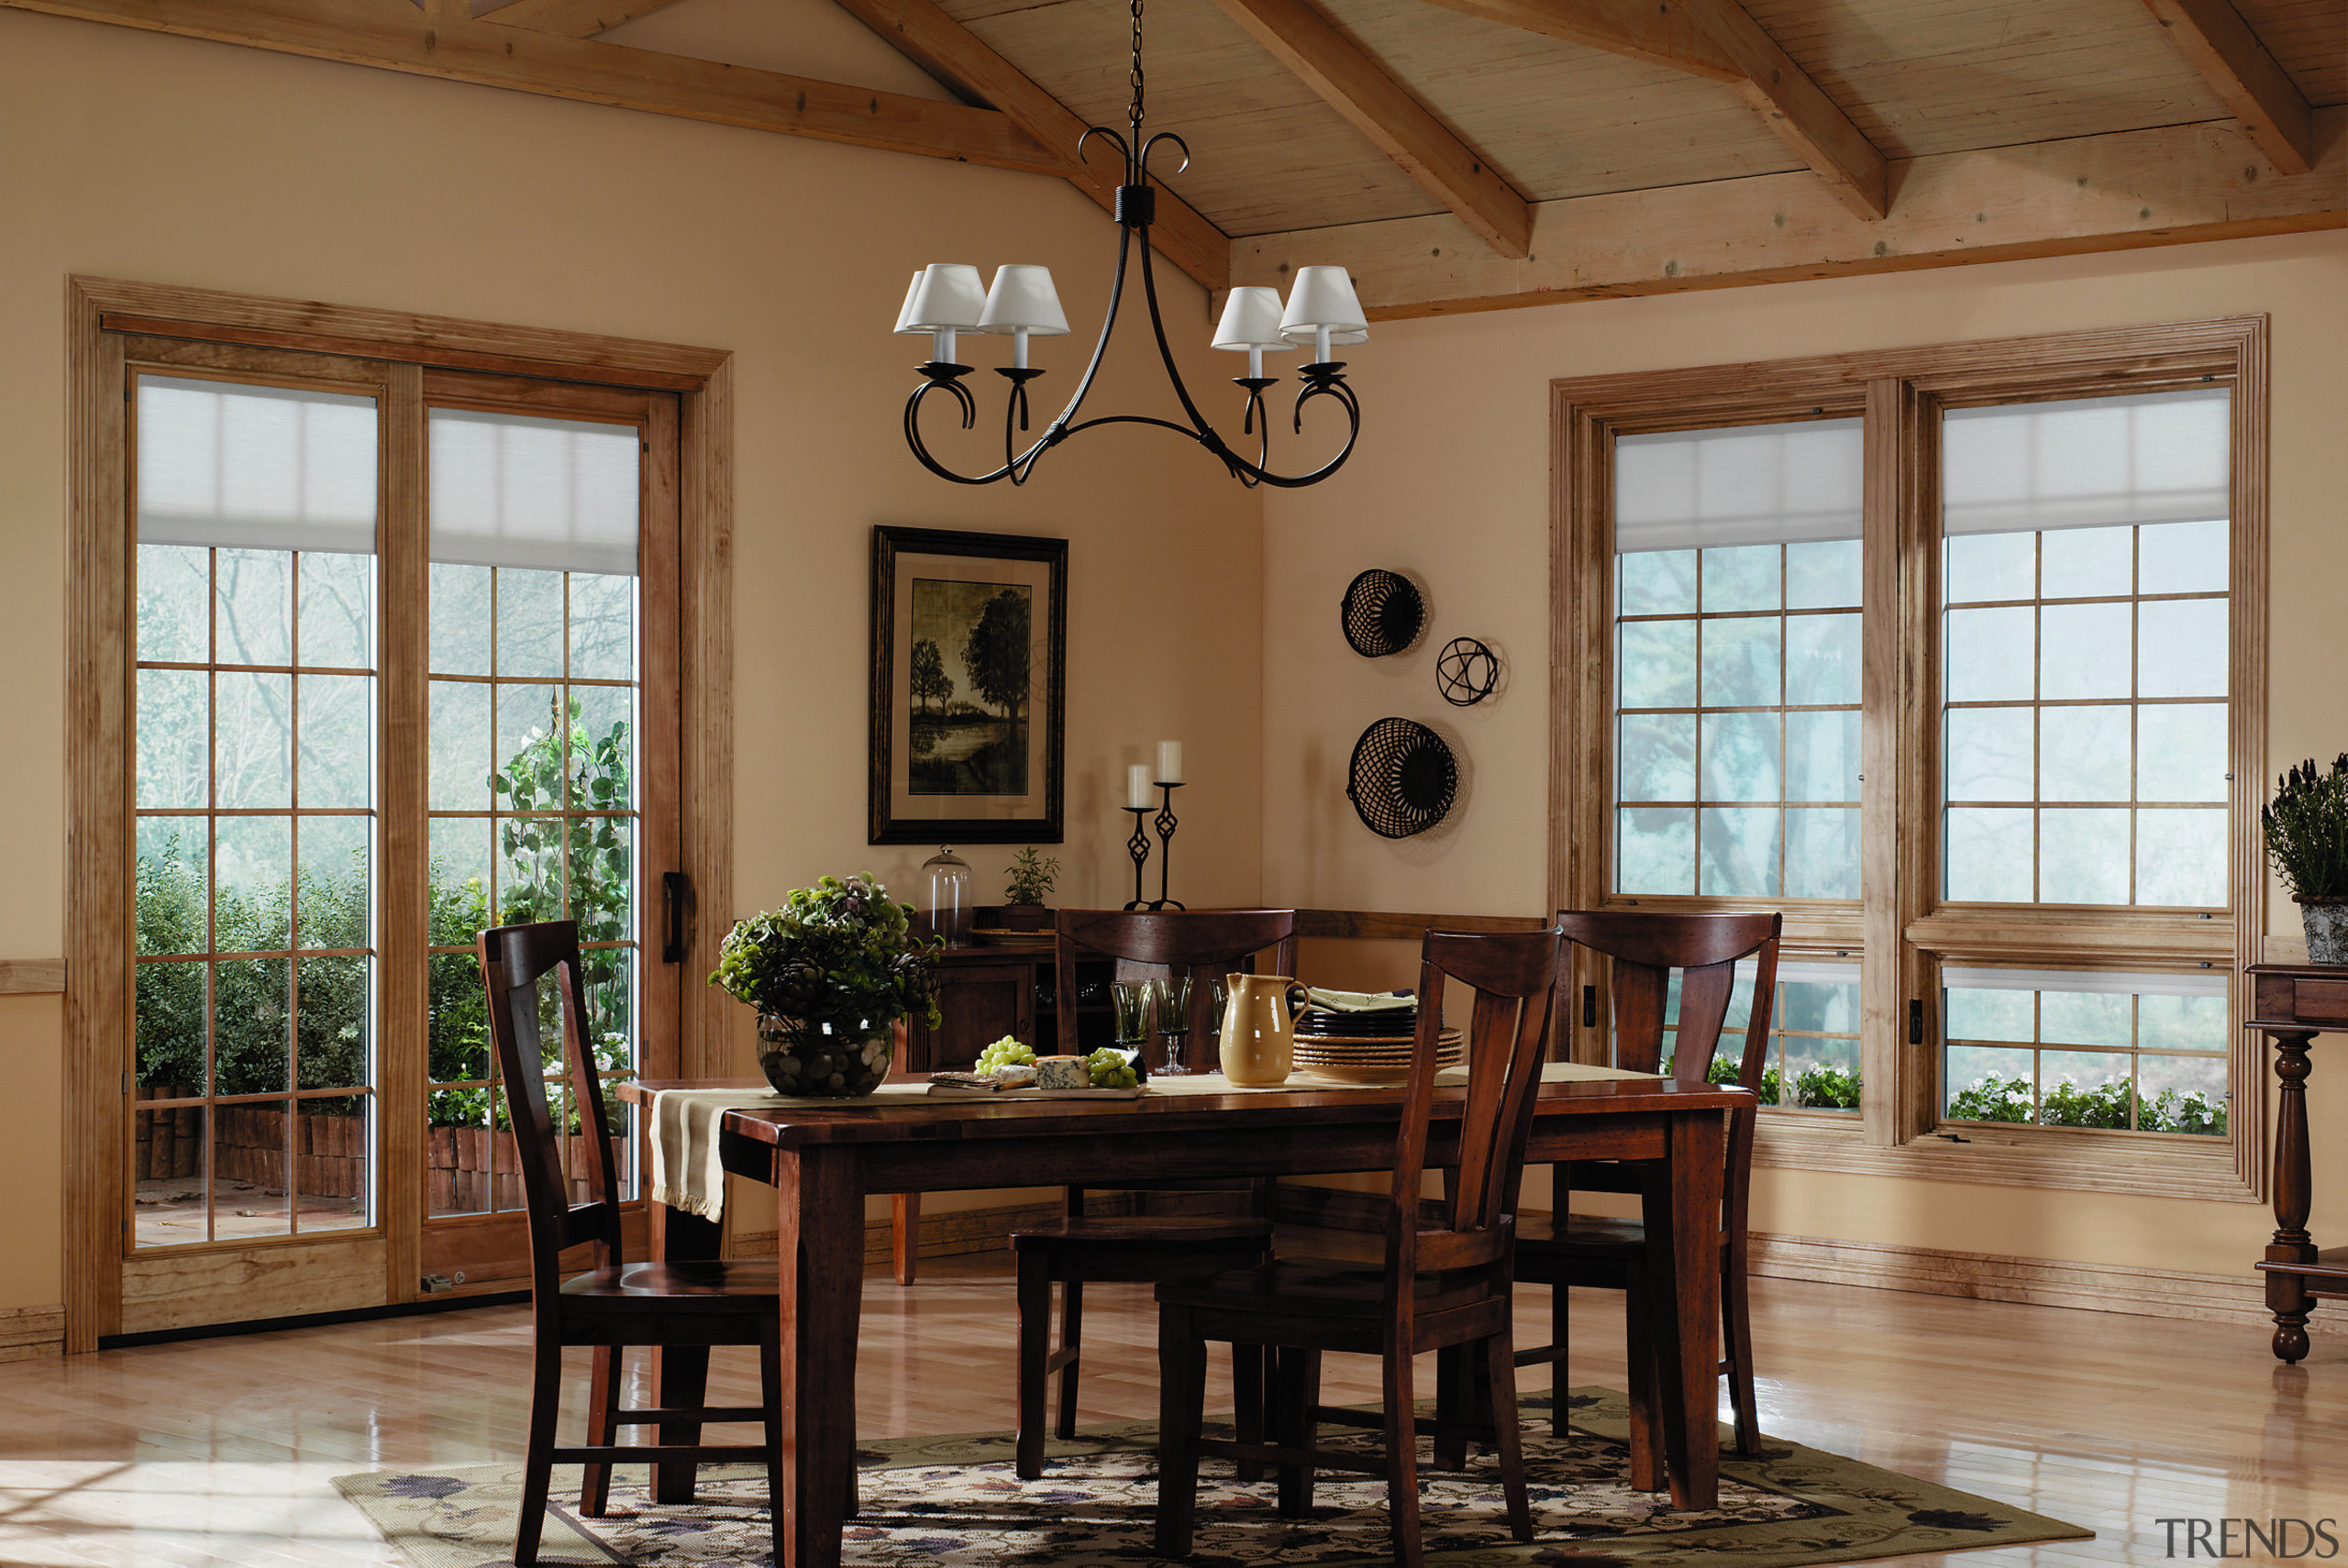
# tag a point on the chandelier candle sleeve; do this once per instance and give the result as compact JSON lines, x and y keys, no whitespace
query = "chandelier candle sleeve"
{"x":1251,"y":322}
{"x":948,"y":298}
{"x":1023,"y":303}
{"x":1138,"y":792}
{"x":1170,"y":762}
{"x":1323,"y":310}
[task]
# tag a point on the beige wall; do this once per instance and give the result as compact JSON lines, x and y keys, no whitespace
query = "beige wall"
{"x":169,"y":161}
{"x":1452,"y":483}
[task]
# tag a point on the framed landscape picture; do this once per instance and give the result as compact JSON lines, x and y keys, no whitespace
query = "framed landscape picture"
{"x":970,"y":677}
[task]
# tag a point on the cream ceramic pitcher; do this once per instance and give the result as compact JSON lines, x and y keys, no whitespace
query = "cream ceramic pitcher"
{"x":1258,"y":1030}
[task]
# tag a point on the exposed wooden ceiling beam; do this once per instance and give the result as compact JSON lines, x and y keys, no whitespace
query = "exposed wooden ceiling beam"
{"x":1797,"y":108}
{"x":1382,"y":109}
{"x":2246,"y":77}
{"x":1717,"y":40}
{"x":395,"y":35}
{"x":2170,"y":185}
{"x":1642,"y":29}
{"x":965,"y":62}
{"x":572,"y":19}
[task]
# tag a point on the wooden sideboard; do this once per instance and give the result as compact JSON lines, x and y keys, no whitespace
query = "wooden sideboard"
{"x":2294,"y":1003}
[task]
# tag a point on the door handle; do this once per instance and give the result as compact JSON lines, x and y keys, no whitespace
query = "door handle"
{"x":676,"y":902}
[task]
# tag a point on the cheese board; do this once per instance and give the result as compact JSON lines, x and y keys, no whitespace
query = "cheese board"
{"x":968,"y":1091}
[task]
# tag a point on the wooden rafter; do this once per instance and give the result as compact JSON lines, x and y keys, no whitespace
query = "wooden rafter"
{"x":1382,"y":109}
{"x":958,"y":57}
{"x":2167,"y":185}
{"x":2245,"y":76}
{"x":1797,"y":109}
{"x":1640,"y":29}
{"x":395,"y":35}
{"x":572,"y":19}
{"x":1719,"y":40}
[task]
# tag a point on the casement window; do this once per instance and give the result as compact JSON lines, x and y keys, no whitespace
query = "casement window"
{"x":1954,"y":656}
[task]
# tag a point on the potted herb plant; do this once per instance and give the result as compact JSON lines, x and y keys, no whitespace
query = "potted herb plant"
{"x":828,"y":973}
{"x":1029,"y":885}
{"x":2306,"y":838}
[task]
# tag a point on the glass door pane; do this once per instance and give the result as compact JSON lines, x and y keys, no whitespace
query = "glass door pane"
{"x":253,"y":1040}
{"x":536,"y":795}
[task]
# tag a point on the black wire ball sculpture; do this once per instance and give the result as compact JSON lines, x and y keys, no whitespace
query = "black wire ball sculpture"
{"x":1403,"y":779}
{"x":1384,"y":613}
{"x":1466,"y":671}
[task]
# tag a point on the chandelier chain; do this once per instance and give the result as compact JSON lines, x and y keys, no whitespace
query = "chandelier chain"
{"x":1135,"y":76}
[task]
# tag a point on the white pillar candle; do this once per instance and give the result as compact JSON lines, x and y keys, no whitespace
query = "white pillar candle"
{"x":1170,"y":762}
{"x":1137,"y":786}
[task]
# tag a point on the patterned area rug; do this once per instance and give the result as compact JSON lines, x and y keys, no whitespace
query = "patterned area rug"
{"x":954,"y":1502}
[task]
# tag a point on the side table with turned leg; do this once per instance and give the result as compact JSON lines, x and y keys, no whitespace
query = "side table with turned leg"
{"x":2294,"y":1003}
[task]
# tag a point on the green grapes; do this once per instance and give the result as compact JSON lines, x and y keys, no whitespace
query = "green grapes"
{"x":1110,"y":1070}
{"x":1006,"y":1053}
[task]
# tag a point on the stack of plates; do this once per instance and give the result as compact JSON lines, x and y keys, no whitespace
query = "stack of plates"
{"x":1395,"y":1023}
{"x":1368,"y":1059}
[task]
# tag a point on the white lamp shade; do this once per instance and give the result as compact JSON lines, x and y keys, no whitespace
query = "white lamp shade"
{"x":1323,"y":296}
{"x":947,"y":298}
{"x":1251,"y":319}
{"x":906,"y":311}
{"x":1022,"y":296}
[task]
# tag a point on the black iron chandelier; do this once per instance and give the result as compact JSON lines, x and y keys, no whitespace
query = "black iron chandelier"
{"x":946,"y":298}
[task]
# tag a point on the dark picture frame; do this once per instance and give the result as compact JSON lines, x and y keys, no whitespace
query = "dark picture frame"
{"x":969,"y":687}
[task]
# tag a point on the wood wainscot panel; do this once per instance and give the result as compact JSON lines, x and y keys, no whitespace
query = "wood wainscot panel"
{"x":184,"y":1288}
{"x":32,"y":977}
{"x":31,"y":1333}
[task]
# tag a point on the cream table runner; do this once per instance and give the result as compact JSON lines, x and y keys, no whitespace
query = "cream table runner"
{"x":686,"y":1172}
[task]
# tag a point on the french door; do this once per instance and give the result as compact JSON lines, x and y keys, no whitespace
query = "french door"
{"x":405,"y":666}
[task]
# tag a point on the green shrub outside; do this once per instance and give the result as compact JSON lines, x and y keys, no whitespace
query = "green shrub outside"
{"x":251,"y":997}
{"x":2000,"y":1099}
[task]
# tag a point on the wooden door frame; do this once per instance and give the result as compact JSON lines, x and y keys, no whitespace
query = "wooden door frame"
{"x":99,"y":313}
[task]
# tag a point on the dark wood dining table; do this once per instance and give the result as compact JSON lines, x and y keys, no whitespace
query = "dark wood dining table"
{"x":823,"y":1160}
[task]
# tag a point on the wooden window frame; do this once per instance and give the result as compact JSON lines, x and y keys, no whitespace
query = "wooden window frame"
{"x":100,"y":314}
{"x":1900,"y":392}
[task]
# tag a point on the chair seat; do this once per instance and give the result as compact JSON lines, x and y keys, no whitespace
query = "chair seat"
{"x":1205,"y":1232}
{"x":692,"y":1288}
{"x":1324,"y":1287}
{"x":1586,"y":1235}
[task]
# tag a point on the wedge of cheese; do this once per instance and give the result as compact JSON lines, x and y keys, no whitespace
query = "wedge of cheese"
{"x":1062,"y":1072}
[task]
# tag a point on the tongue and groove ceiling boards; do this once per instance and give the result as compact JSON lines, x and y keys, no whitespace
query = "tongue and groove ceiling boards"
{"x":1477,"y":154}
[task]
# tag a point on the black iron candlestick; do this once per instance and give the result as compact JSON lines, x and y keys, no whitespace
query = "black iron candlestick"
{"x":1166,"y":823}
{"x":1138,"y":847}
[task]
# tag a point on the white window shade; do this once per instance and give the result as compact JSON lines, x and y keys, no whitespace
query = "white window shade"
{"x":2206,"y":983}
{"x":235,"y":466}
{"x":2091,"y":463}
{"x":1749,"y":485}
{"x":551,"y":495}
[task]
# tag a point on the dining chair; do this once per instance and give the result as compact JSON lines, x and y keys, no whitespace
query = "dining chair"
{"x":1562,"y":1249}
{"x":1081,"y":1249}
{"x":1443,"y":1286}
{"x":615,"y":1303}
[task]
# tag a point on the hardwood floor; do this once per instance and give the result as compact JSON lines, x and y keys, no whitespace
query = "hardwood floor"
{"x":220,"y":1451}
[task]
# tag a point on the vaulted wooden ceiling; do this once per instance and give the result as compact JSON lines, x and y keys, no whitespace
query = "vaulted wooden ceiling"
{"x":1474,"y":154}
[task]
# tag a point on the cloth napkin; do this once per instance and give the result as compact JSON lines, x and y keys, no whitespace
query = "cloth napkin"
{"x":686,"y":1170}
{"x":1361,"y":1001}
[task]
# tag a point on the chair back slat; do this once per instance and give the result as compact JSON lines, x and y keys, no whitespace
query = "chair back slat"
{"x":1643,"y":947}
{"x":517,"y":962}
{"x":1204,"y":944}
{"x":1515,"y":977}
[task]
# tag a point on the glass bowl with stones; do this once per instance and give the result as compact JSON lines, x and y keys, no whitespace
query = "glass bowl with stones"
{"x":823,"y":1059}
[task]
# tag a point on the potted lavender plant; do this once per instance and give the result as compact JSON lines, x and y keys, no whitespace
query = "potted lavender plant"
{"x":2306,"y":838}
